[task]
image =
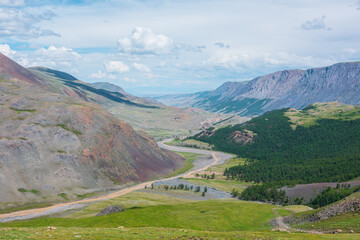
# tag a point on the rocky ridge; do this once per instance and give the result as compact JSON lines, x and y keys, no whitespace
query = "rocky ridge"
{"x":283,"y":89}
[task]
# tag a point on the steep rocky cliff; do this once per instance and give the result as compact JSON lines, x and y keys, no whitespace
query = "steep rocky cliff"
{"x":290,"y":88}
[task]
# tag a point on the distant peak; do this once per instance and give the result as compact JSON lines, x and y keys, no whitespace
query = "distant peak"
{"x":55,"y":73}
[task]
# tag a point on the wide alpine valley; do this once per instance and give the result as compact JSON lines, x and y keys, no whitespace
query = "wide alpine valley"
{"x":137,"y":119}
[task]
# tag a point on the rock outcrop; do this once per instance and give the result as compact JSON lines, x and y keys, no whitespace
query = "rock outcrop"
{"x":349,"y":204}
{"x":110,"y":210}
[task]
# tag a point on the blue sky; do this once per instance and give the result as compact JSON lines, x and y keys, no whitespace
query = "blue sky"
{"x":167,"y":46}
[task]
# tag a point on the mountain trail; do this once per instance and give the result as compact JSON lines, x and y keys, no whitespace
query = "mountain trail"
{"x":281,"y":226}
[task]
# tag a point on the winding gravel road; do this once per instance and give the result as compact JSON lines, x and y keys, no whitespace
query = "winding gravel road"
{"x":216,"y":158}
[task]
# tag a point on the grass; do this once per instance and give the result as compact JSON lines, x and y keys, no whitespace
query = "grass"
{"x":64,"y":196}
{"x":22,"y":110}
{"x":34,"y":191}
{"x":189,"y":159}
{"x":346,"y":222}
{"x":22,"y":190}
{"x":68,"y":129}
{"x":219,"y":182}
{"x":130,"y":200}
{"x":154,"y":233}
{"x":284,"y":211}
{"x":298,"y":208}
{"x":231,"y":163}
{"x":153,"y":216}
{"x":225,"y":185}
{"x":213,"y":215}
{"x":331,"y":110}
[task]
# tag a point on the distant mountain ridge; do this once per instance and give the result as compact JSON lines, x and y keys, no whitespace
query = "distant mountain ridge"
{"x":108,"y":87}
{"x":146,"y":114}
{"x":290,"y":88}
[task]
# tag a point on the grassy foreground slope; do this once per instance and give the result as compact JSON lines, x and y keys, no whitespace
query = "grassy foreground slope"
{"x":213,"y":215}
{"x":156,"y":233}
{"x":153,"y":216}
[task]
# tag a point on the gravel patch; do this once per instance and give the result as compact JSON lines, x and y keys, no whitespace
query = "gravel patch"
{"x":47,"y":212}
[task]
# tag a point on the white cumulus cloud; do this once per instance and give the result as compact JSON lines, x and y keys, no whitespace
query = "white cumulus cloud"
{"x":102,"y":75}
{"x":116,"y":67}
{"x":145,"y":41}
{"x":54,"y":56}
{"x":141,"y":67}
{"x":99,"y":75}
{"x":6,"y":50}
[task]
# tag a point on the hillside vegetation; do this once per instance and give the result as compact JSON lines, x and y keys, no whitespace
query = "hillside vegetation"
{"x":344,"y":215}
{"x":328,"y":149}
{"x":153,"y":216}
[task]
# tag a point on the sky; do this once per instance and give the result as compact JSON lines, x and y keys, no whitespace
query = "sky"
{"x":157,"y":47}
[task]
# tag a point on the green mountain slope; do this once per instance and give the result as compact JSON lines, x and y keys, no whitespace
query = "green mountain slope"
{"x":318,"y":144}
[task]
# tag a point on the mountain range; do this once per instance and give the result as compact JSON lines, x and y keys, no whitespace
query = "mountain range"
{"x":290,"y":88}
{"x":145,"y":114}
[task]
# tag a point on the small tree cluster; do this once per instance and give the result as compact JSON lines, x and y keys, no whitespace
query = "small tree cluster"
{"x":183,"y":187}
{"x":206,"y":176}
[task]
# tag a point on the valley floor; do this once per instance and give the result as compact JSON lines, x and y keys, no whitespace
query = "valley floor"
{"x":160,"y":211}
{"x":202,"y":164}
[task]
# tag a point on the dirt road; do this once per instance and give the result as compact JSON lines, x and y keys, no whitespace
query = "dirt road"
{"x":281,"y":226}
{"x":217,"y":158}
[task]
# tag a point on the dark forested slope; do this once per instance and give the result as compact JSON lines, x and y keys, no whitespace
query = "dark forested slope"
{"x":320,"y":143}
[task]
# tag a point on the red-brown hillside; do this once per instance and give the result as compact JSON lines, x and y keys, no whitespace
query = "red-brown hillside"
{"x":11,"y":68}
{"x":54,"y":143}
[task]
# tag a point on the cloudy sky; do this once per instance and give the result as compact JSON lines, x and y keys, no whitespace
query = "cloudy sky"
{"x":178,"y":46}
